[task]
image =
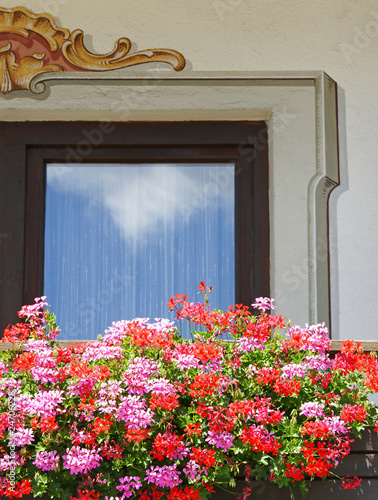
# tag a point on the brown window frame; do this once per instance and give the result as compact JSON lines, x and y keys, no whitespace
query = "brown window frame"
{"x":26,"y":148}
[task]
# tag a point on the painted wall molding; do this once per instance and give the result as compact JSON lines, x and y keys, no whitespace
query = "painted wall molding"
{"x":32,"y":44}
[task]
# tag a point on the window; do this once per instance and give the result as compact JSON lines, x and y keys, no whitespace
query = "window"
{"x":85,"y":155}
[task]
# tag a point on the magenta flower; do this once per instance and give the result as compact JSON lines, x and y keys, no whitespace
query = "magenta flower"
{"x":107,"y":396}
{"x":81,"y":460}
{"x":312,"y":409}
{"x":46,"y":460}
{"x":131,"y":410}
{"x":263,"y":304}
{"x":336,"y":425}
{"x":82,"y":386}
{"x":221,"y":440}
{"x":246,"y":344}
{"x":139,"y":373}
{"x":161,"y":386}
{"x":165,"y":477}
{"x":3,"y":368}
{"x":128,"y":484}
{"x":34,"y":312}
{"x":44,"y":403}
{"x":185,"y":361}
{"x":292,"y":370}
{"x":21,"y":437}
{"x":193,"y":471}
{"x":99,"y":350}
{"x":8,"y":462}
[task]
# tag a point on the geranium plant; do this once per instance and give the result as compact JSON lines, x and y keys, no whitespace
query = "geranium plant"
{"x":143,"y":413}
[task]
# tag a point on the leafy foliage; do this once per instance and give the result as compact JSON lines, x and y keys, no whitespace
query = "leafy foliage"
{"x":144,"y":413}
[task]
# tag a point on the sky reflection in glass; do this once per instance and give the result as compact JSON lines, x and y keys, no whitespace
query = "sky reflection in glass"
{"x":120,"y":240}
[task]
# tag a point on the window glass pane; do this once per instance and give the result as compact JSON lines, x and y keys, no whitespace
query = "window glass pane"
{"x":120,"y":240}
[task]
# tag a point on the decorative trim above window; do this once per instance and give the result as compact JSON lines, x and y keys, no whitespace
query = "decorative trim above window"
{"x":32,"y":44}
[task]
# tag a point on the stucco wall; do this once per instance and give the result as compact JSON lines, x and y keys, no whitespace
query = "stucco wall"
{"x":339,"y":37}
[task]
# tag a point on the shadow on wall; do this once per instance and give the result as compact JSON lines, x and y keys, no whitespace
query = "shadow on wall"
{"x":333,"y":202}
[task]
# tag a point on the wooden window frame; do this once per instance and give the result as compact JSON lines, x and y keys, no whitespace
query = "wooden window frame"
{"x":26,"y":148}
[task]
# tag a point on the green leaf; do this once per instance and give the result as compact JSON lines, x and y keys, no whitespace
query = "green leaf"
{"x":304,"y":489}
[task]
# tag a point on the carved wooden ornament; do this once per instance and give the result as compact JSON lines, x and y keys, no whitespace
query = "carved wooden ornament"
{"x":31,"y":44}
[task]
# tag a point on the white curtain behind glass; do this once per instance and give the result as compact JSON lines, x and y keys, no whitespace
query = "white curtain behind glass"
{"x":120,"y":240}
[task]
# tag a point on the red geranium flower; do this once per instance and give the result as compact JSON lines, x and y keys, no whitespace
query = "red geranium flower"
{"x":16,"y":333}
{"x":350,"y":482}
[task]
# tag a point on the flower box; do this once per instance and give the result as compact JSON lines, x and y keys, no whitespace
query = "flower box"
{"x":143,"y":413}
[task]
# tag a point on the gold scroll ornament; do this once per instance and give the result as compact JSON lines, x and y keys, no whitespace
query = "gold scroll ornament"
{"x":64,"y":51}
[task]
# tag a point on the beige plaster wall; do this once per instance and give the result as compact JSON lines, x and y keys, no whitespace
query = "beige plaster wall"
{"x":338,"y":36}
